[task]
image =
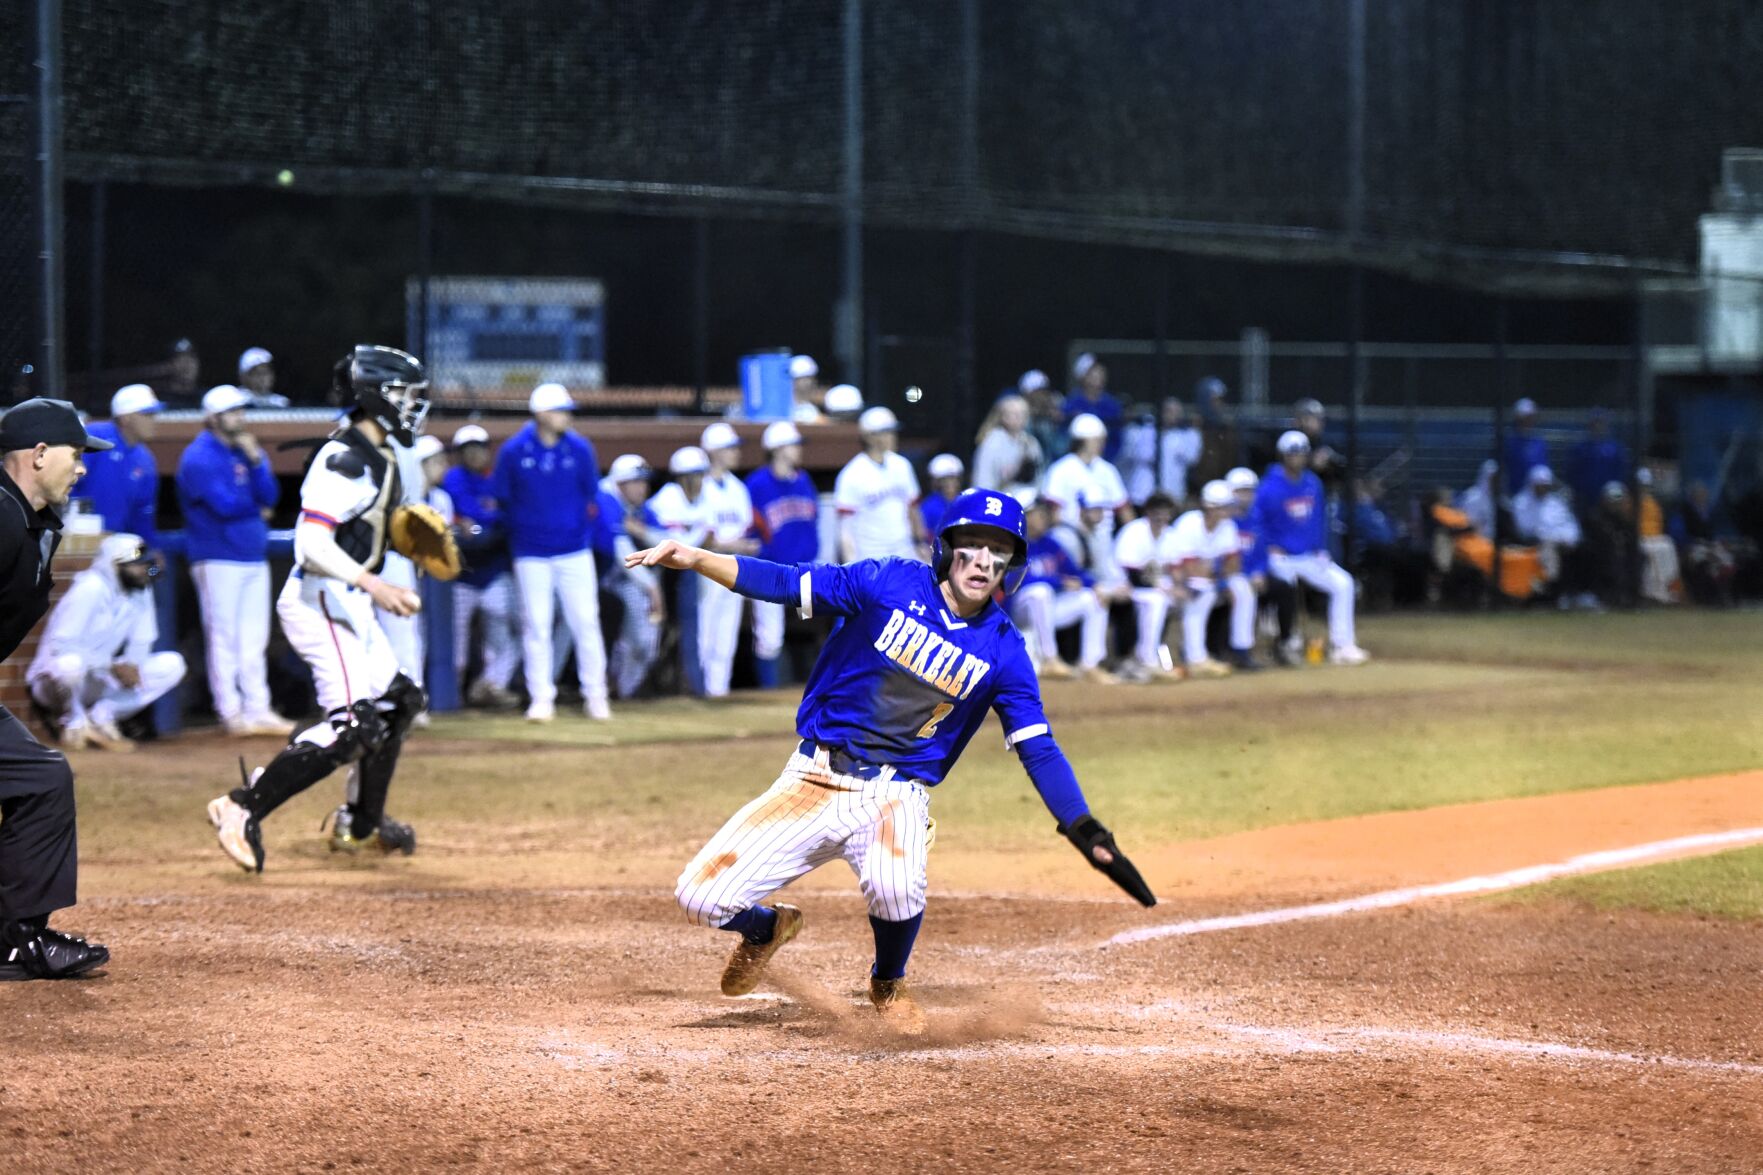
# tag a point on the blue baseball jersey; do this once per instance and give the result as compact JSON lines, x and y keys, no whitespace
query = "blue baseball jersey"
{"x":474,"y":499}
{"x":122,"y":484}
{"x":931,"y":508}
{"x":223,"y":498}
{"x":1250,"y":544}
{"x":902,"y":681}
{"x":1050,"y":563}
{"x":787,"y":516}
{"x":548,"y":493}
{"x":1292,"y":513}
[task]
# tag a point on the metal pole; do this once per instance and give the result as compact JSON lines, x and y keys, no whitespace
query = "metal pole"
{"x":425,"y":266}
{"x":46,"y":174}
{"x":1161,"y":313}
{"x":1502,"y":390}
{"x":701,"y":313}
{"x":848,"y":321}
{"x":965,"y":418}
{"x":1639,"y":427}
{"x":95,"y":291}
{"x":1355,"y":397}
{"x":1356,"y":278}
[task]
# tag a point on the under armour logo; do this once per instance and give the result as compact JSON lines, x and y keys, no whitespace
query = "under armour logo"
{"x":917,"y":608}
{"x":994,"y":506}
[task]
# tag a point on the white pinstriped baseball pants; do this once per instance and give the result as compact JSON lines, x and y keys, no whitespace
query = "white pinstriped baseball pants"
{"x":810,"y":816}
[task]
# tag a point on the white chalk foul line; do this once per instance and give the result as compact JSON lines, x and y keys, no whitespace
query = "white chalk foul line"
{"x":1491,"y":883}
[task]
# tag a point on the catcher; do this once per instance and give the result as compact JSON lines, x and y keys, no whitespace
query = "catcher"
{"x":349,"y":508}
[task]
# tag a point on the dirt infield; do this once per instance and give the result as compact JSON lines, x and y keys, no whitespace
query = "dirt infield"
{"x":448,"y":1011}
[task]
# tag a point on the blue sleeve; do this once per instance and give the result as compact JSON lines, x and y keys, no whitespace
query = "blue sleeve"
{"x":263,"y":483}
{"x":1026,"y":731}
{"x":841,"y":589}
{"x":211,"y":483}
{"x":1051,"y":773}
{"x":502,"y":477}
{"x":590,"y":471}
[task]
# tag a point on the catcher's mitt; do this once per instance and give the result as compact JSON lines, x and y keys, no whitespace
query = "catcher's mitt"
{"x":420,"y":534}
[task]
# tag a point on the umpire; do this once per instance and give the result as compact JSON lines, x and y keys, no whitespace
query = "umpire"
{"x":41,"y":442}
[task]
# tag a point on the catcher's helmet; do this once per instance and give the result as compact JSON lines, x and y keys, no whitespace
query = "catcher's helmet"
{"x":389,"y":386}
{"x":992,"y":510}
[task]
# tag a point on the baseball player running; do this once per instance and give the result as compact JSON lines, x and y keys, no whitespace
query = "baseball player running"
{"x":1290,"y":504}
{"x":786,"y":513}
{"x":1203,"y":544}
{"x":876,"y":494}
{"x":327,"y":611}
{"x":918,"y":656}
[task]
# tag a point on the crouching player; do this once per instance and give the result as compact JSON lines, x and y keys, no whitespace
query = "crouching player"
{"x":918,"y":656}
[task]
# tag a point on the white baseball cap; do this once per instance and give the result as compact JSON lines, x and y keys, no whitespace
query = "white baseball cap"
{"x":427,"y":446}
{"x":1540,"y":475}
{"x":223,"y":398}
{"x":1525,"y":407}
{"x":878,"y":419}
{"x":1293,"y":441}
{"x":720,"y":435}
{"x":1241,"y":478}
{"x":1217,"y":493}
{"x":471,"y":434}
{"x":946,"y":465}
{"x":780,"y":433}
{"x":1643,"y":476}
{"x":1615,"y":491}
{"x":132,"y":399}
{"x":550,"y":398}
{"x":1033,"y":380}
{"x":253,"y":357}
{"x":1080,"y":367}
{"x":843,"y":398}
{"x":1086,"y":426}
{"x":628,"y":467}
{"x":690,"y":459}
{"x":803,"y":367}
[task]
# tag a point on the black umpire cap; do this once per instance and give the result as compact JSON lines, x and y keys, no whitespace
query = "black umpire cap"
{"x":43,"y":421}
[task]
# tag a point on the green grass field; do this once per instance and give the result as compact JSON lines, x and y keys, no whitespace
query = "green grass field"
{"x":1724,"y":885}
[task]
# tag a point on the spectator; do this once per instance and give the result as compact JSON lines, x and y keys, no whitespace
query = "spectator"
{"x":730,"y":512}
{"x":1480,"y":503}
{"x":227,"y":490}
{"x":876,"y":494}
{"x":486,"y":587}
{"x":1659,"y":567}
{"x":1525,"y":450}
{"x":627,"y":525}
{"x":181,"y":385}
{"x":122,"y":485}
{"x":786,"y":513}
{"x":946,"y":472}
{"x":1089,"y":541}
{"x":95,"y":665}
{"x":1091,"y":397}
{"x":1141,"y":548}
{"x":1243,"y":484}
{"x":843,"y":403}
{"x":1008,"y":458}
{"x":1310,"y":418}
{"x":1220,"y":446}
{"x":681,"y":510}
{"x":1709,"y":562}
{"x":1056,"y":593}
{"x":1137,"y":456}
{"x":1085,"y":477}
{"x":1608,"y":528}
{"x":547,"y":481}
{"x":257,"y":376}
{"x":1046,"y":418}
{"x":1180,"y":445}
{"x":1541,"y":516}
{"x":805,"y":390}
{"x":1290,"y":507}
{"x":1595,"y":461}
{"x":1205,"y":548}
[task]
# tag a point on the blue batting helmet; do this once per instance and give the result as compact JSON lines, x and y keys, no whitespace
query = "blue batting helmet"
{"x":990,"y":509}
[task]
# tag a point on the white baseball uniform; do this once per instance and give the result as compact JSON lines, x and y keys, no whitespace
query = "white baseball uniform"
{"x":875,"y":500}
{"x":728,"y":514}
{"x":1075,"y":483}
{"x":406,"y":632}
{"x":1147,"y":558}
{"x":1190,"y":538}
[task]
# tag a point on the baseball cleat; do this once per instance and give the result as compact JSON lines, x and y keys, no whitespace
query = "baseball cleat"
{"x":49,"y":954}
{"x":490,"y":695}
{"x":538,"y":713}
{"x":1245,"y":661}
{"x":76,"y":736}
{"x":238,"y":833}
{"x":1208,"y":668}
{"x":747,"y":964}
{"x":1349,"y":655}
{"x":896,"y":1006}
{"x":597,"y":709}
{"x":1096,"y":675}
{"x":106,"y":737}
{"x":392,"y":836}
{"x":1053,"y":669}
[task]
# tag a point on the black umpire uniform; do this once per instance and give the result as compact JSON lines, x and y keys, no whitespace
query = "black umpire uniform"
{"x":39,"y":855}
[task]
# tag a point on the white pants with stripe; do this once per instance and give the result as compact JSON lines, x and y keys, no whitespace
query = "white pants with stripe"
{"x":1045,"y":612}
{"x":337,"y":633}
{"x":1197,"y":610}
{"x":495,"y":602}
{"x":1325,"y":575}
{"x":1151,"y":610}
{"x":235,"y":627}
{"x":719,"y":631}
{"x":810,"y":816}
{"x":544,"y":582}
{"x":76,"y":690}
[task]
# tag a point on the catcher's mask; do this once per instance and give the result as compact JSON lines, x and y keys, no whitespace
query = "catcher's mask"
{"x":388,"y":385}
{"x":994,"y":511}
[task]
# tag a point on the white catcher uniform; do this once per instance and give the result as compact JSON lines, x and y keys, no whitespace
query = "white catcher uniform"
{"x":1190,"y":539}
{"x":875,"y":500}
{"x":728,"y":515}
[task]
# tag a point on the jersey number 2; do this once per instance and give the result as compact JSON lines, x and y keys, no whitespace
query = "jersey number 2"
{"x":929,"y":729}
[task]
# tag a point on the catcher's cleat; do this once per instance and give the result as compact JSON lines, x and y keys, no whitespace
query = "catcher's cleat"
{"x":238,"y":833}
{"x":392,"y":836}
{"x":747,"y":964}
{"x":897,"y":1007}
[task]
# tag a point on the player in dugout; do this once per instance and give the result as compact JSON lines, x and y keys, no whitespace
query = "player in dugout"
{"x":920,"y":653}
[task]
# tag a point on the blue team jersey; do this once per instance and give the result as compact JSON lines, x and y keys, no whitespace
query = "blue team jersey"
{"x":548,"y":493}
{"x":474,"y":499}
{"x":1050,"y":563}
{"x":786,"y":515}
{"x":931,"y":508}
{"x":1292,"y":513}
{"x":1249,"y":542}
{"x":122,"y":484}
{"x":902,"y":681}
